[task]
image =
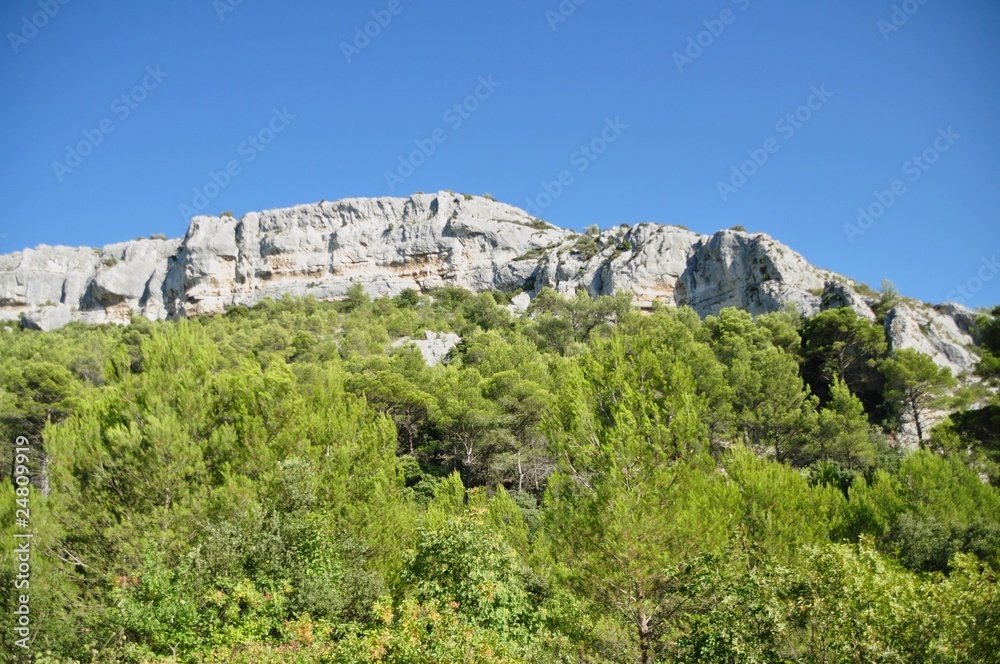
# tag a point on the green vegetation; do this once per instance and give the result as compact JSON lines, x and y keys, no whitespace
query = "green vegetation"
{"x":532,"y":254}
{"x":989,"y":333}
{"x":584,"y":484}
{"x":535,"y":223}
{"x":586,"y":246}
{"x":888,"y":298}
{"x":916,"y":385}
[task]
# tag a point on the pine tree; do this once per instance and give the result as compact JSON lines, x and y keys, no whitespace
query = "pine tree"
{"x":636,"y":502}
{"x":916,"y":385}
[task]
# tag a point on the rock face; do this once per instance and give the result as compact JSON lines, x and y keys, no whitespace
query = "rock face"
{"x":934,"y":333}
{"x":431,"y":240}
{"x":751,"y":272}
{"x":434,"y":347}
{"x":47,"y":318}
{"x":837,"y":295}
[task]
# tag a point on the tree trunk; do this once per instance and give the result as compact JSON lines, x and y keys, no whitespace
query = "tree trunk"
{"x":43,"y":474}
{"x":643,"y":625}
{"x":916,"y":421}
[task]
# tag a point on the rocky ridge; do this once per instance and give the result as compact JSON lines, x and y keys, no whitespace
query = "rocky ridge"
{"x":429,"y":240}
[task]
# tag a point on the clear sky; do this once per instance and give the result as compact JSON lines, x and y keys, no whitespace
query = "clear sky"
{"x":117,"y":115}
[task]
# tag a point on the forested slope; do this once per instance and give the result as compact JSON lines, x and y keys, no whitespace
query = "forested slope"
{"x":585,"y":483}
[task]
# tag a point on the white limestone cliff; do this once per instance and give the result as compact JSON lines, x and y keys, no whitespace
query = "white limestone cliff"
{"x":431,"y":240}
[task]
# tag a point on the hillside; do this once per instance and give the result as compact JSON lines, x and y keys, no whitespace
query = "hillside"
{"x":432,"y":240}
{"x":419,"y":431}
{"x":341,"y":482}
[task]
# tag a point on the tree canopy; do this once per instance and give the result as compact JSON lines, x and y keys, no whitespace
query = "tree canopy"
{"x":588,"y":483}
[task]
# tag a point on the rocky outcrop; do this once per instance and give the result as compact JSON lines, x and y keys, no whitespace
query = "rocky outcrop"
{"x":46,"y":318}
{"x":385,"y":244}
{"x":963,"y":316}
{"x":92,"y":285}
{"x":434,"y":347}
{"x":430,"y":240}
{"x":838,"y":295}
{"x":930,"y":331}
{"x":751,"y":272}
{"x":646,"y":260}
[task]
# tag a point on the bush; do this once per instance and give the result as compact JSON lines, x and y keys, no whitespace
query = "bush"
{"x":586,"y":246}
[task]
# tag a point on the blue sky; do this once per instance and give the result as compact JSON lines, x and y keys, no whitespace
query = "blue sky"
{"x":118,"y":115}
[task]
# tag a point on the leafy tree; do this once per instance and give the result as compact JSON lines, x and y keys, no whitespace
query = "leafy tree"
{"x":559,"y":321}
{"x":837,"y":343}
{"x":471,"y":566}
{"x":635,"y":501}
{"x":427,"y":633}
{"x":843,"y":431}
{"x":411,"y":408}
{"x":989,"y":338}
{"x":780,"y":511}
{"x":523,"y":404}
{"x":846,"y":604}
{"x":278,"y":484}
{"x":915,"y":385}
{"x":773,"y":412}
{"x":973,"y":435}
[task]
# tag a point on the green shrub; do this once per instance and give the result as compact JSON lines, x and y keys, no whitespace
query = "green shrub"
{"x":586,"y":246}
